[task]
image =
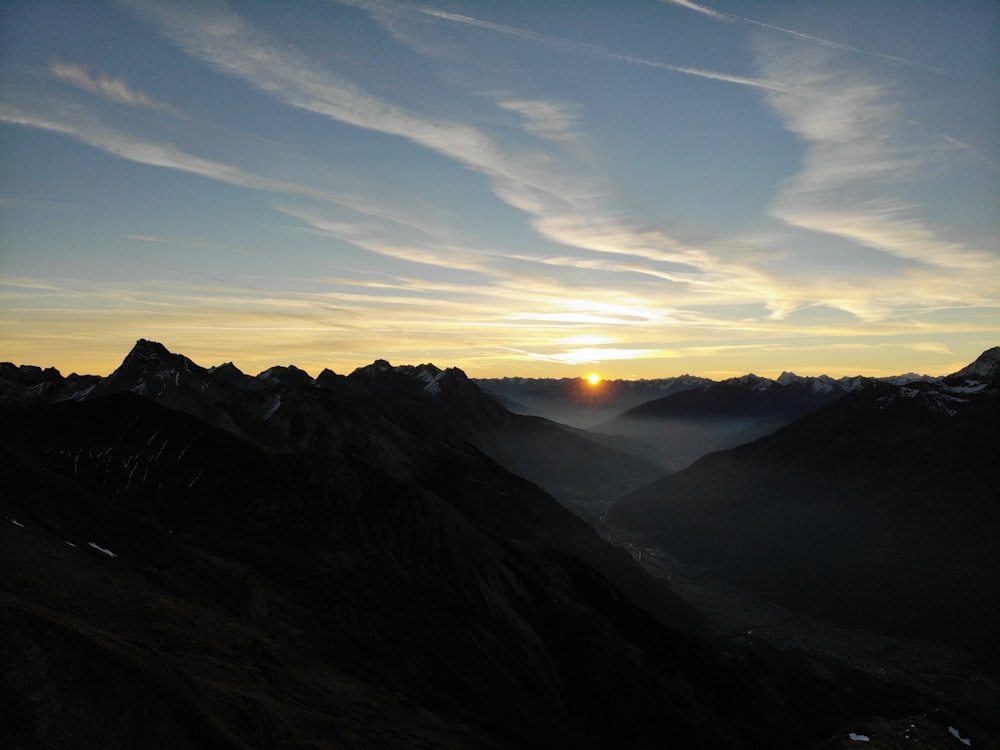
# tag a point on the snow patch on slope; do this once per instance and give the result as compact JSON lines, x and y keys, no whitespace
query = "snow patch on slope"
{"x":99,"y":548}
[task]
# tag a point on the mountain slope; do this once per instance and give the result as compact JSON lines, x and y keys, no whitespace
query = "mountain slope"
{"x":579,"y":469}
{"x":881,"y":509}
{"x":283,"y":408}
{"x":381,"y":576}
{"x":348,"y":572}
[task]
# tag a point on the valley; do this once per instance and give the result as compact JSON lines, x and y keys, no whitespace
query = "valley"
{"x":946,"y":672}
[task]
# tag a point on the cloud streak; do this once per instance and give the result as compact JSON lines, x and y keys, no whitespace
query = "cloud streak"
{"x":733,"y":18}
{"x":554,"y":42}
{"x":112,"y":89}
{"x":524,"y":179}
{"x":553,"y":121}
{"x":858,"y":155}
{"x":565,"y":206}
{"x":80,"y":125}
{"x":568,"y":207}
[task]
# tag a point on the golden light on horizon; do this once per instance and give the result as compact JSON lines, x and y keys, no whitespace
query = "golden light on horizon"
{"x":593,"y":378}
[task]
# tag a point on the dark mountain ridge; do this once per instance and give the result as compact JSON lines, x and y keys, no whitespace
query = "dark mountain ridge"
{"x":674,"y":421}
{"x":677,"y":429}
{"x":881,"y":509}
{"x":282,"y":406}
{"x":333,"y":564}
{"x":577,"y":402}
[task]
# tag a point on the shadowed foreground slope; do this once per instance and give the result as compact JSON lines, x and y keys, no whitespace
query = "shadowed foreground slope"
{"x":353,"y":577}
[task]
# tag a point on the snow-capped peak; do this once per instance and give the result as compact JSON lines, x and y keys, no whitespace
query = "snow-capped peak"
{"x":427,"y":373}
{"x":788,"y":377}
{"x":754,"y":382}
{"x":986,"y":366}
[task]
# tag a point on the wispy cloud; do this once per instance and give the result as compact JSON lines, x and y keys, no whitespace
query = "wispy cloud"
{"x":733,"y":18}
{"x":554,"y":42}
{"x":113,"y":89}
{"x":564,"y":205}
{"x":224,"y":40}
{"x":83,"y":126}
{"x":554,"y":121}
{"x":386,"y":239}
{"x":841,"y":120}
{"x":972,"y":150}
{"x":859,"y":153}
{"x":703,"y":10}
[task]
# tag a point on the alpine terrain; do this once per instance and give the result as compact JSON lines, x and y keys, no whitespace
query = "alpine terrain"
{"x":195,"y":557}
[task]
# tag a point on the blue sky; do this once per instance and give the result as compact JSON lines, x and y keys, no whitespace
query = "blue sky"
{"x":635,"y":188}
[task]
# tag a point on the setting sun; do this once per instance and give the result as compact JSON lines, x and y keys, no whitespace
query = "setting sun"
{"x":593,"y":378}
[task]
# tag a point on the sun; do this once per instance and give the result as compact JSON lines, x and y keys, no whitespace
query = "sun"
{"x":593,"y":378}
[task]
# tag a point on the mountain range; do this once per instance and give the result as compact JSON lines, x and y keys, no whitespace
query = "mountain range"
{"x":880,"y":509}
{"x":196,"y":557}
{"x":674,"y":421}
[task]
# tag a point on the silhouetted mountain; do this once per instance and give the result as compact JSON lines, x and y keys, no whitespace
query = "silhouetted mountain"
{"x":225,"y":561}
{"x":677,"y":429}
{"x":674,"y":421}
{"x":27,"y":384}
{"x":282,"y":406}
{"x":575,"y":402}
{"x":880,"y":509}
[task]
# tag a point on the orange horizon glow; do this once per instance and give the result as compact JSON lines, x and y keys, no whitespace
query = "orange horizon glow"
{"x":253,"y":351}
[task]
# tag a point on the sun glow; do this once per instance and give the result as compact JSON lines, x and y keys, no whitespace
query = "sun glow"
{"x":593,"y":378}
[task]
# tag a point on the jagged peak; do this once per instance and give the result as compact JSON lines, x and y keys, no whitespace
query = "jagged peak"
{"x":986,"y":366}
{"x":908,"y":377}
{"x":756,"y":382}
{"x":146,"y":354}
{"x":286,"y":375}
{"x":31,"y":373}
{"x":329,"y":379}
{"x":787,"y":377}
{"x":227,"y":369}
{"x":428,"y":369}
{"x":374,"y":370}
{"x":428,"y":376}
{"x":423,"y":372}
{"x":146,"y":349}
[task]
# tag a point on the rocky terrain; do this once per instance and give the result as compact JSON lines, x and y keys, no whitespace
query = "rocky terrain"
{"x":195,"y":557}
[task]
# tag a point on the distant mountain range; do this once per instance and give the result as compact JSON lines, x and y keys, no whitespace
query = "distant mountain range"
{"x":575,"y":402}
{"x":882,"y":508}
{"x":674,"y":421}
{"x":194,"y":557}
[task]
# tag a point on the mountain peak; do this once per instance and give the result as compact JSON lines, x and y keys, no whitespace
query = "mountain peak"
{"x":985,"y":367}
{"x":427,"y":375}
{"x":146,"y":349}
{"x":374,"y":370}
{"x":752,"y":381}
{"x":227,"y":371}
{"x":150,"y":365}
{"x":147,"y":353}
{"x":289,"y":376}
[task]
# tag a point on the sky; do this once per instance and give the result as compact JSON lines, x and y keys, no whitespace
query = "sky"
{"x":547,"y":189}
